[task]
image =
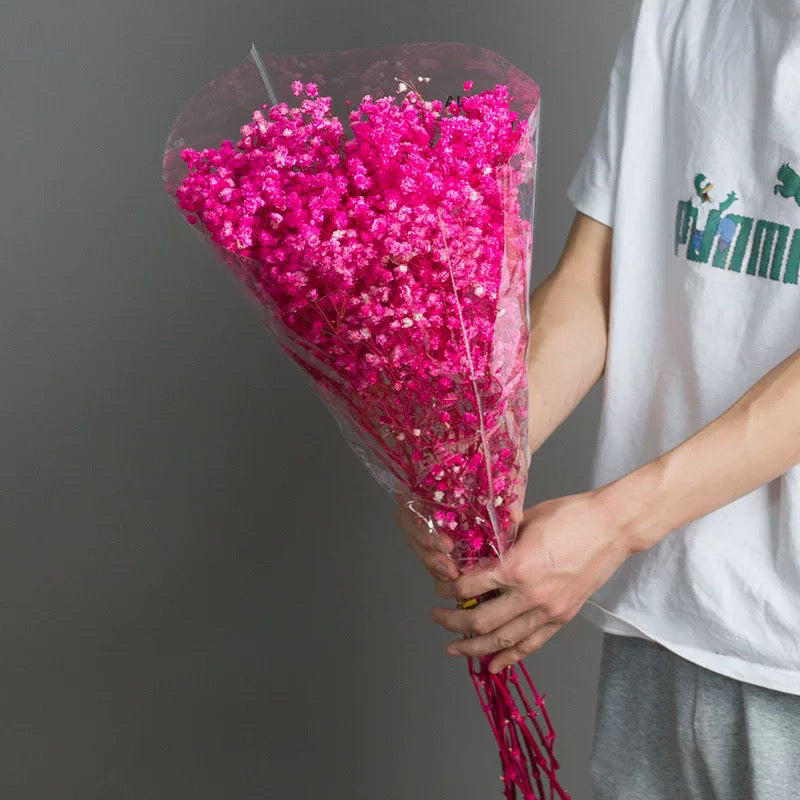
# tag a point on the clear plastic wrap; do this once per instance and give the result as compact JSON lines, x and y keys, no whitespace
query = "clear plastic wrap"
{"x":394,"y":267}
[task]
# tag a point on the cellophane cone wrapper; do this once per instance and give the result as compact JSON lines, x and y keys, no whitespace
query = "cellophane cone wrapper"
{"x":410,"y":317}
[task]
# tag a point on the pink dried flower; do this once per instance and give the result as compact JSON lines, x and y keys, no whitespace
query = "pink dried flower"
{"x":384,"y":256}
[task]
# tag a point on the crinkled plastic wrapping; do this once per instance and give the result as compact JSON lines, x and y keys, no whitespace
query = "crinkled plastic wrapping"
{"x":446,"y":471}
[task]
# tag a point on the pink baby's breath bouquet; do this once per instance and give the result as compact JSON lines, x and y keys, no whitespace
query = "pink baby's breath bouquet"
{"x":393,"y":262}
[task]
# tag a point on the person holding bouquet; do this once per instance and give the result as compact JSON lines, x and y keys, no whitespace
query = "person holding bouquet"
{"x":686,"y":551}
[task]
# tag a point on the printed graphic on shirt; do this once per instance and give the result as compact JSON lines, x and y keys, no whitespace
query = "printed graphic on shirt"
{"x":735,"y":241}
{"x":789,"y":185}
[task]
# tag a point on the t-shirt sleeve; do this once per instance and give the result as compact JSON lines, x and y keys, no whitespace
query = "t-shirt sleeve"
{"x":593,"y":187}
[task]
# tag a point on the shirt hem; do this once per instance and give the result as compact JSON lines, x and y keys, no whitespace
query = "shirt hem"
{"x":786,"y":681}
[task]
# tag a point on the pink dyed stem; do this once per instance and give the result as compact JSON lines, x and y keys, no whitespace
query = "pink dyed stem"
{"x":521,"y":756}
{"x":479,"y":682}
{"x":540,"y":760}
{"x":539,"y":701}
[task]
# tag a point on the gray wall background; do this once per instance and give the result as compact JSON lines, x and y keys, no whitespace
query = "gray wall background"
{"x":203,"y":594}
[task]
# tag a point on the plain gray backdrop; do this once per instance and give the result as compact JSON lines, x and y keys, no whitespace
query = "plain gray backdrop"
{"x":203,"y":594}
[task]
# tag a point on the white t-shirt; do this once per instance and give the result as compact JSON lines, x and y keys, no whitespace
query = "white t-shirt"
{"x":702,"y":305}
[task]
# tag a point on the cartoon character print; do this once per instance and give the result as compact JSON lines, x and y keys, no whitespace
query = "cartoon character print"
{"x":789,"y":186}
{"x":726,"y":228}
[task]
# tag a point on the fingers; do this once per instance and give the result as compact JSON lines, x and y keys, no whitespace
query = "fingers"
{"x":438,"y":564}
{"x":517,"y":509}
{"x":417,"y":529}
{"x":487,"y":617}
{"x":502,"y":637}
{"x":524,"y":647}
{"x":441,"y":587}
{"x":477,"y":581}
{"x":513,"y":641}
{"x":435,"y":559}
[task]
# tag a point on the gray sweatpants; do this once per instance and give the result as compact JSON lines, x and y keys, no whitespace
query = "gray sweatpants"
{"x":667,"y":729}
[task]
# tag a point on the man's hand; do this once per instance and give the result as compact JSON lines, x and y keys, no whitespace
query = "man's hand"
{"x":565,"y":549}
{"x":569,"y":319}
{"x":432,"y":548}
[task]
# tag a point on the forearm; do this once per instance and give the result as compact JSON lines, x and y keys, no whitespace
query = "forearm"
{"x":566,"y":356}
{"x":569,"y":329}
{"x":754,"y":441}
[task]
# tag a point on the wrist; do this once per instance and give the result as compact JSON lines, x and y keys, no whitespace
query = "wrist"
{"x":635,"y":503}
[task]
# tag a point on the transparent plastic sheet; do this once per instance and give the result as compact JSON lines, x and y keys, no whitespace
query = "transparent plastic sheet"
{"x":450,"y":444}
